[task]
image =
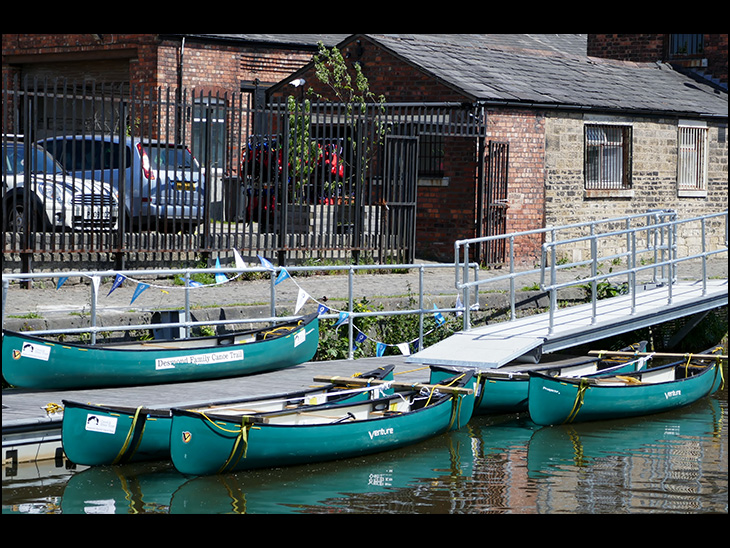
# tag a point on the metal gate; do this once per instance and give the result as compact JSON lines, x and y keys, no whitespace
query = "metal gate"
{"x":158,"y":175}
{"x":399,"y":197}
{"x":495,"y":198}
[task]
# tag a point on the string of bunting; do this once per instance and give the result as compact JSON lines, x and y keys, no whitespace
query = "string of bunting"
{"x":302,"y":298}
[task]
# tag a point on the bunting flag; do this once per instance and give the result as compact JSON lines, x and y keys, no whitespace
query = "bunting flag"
{"x":193,"y":283}
{"x":266,"y":263}
{"x":379,"y":349}
{"x":361,"y":338}
{"x":458,"y":305}
{"x":117,"y":282}
{"x":138,"y":291}
{"x":60,"y":282}
{"x":238,"y":260}
{"x":219,"y":277}
{"x":283,"y":275}
{"x":404,"y":348}
{"x":322,"y":309}
{"x":302,"y":298}
{"x":344,"y":316}
{"x":439,"y":318}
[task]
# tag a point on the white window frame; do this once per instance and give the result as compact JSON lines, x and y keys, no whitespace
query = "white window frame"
{"x":608,"y":159}
{"x":692,"y":158}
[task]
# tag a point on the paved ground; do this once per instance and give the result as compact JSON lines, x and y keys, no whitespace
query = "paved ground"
{"x":45,"y":307}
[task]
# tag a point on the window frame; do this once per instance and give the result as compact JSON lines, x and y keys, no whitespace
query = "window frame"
{"x":693,"y":139}
{"x":600,"y":162}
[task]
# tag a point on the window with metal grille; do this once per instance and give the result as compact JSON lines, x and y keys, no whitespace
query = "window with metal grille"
{"x":431,"y":156}
{"x":682,"y":45}
{"x":692,"y":157}
{"x":607,"y":157}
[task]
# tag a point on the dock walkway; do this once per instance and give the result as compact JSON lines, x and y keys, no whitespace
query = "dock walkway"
{"x":31,"y":432}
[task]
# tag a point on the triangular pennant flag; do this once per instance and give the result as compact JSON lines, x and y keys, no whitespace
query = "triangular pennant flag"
{"x":344,"y":316}
{"x":238,"y":260}
{"x":301,"y":299}
{"x":361,"y":338}
{"x":322,"y":309}
{"x":283,"y":275}
{"x":138,"y":291}
{"x":439,"y":318}
{"x":193,"y":283}
{"x":266,"y":263}
{"x":379,"y":349}
{"x":219,"y":277}
{"x":61,"y":281}
{"x":117,"y":282}
{"x":458,"y":305}
{"x":404,"y":349}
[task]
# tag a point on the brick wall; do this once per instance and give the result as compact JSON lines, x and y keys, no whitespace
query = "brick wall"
{"x":654,"y":177}
{"x":648,"y":48}
{"x":524,"y":130}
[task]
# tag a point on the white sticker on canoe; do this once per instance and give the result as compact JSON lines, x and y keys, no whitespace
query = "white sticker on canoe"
{"x":101,"y":423}
{"x":299,"y":337}
{"x":200,"y":359}
{"x":35,"y":351}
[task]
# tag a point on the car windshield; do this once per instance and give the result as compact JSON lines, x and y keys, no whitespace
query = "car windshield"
{"x":40,"y":162}
{"x":171,"y":157}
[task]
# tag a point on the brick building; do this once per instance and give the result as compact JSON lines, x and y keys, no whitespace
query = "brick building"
{"x":596,"y":125}
{"x":557,"y":108}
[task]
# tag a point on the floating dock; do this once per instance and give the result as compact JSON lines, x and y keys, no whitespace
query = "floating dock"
{"x":31,"y":420}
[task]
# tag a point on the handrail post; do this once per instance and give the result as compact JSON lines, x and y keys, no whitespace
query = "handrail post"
{"x":94,"y":298}
{"x":594,"y":273}
{"x":513,"y":312}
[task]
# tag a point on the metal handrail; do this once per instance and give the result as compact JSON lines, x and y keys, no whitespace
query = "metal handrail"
{"x":186,"y":323}
{"x":663,"y":249}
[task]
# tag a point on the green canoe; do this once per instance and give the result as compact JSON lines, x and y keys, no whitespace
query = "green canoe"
{"x":210,"y":443}
{"x":504,"y":389}
{"x":561,"y":400}
{"x":37,"y":363}
{"x":95,"y":435}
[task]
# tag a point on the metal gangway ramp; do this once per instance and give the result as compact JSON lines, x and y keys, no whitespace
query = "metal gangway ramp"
{"x":648,"y":291}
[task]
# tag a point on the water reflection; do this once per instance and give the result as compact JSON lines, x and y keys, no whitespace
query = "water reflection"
{"x":674,"y":462}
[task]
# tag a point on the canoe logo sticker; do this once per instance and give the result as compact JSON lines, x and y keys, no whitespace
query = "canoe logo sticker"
{"x":199,"y":359}
{"x":381,"y":432}
{"x":35,"y":351}
{"x":299,"y":337}
{"x":186,"y":436}
{"x":672,"y":393}
{"x":101,"y":423}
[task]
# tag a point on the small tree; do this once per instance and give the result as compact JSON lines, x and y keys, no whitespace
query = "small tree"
{"x":332,"y":70}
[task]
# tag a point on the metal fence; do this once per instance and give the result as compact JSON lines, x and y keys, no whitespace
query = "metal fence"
{"x":166,"y":171}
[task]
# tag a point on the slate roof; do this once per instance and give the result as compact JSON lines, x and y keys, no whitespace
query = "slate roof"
{"x":552,"y":71}
{"x":299,"y":40}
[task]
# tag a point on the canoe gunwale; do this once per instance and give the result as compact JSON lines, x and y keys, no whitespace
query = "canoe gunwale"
{"x":134,"y":346}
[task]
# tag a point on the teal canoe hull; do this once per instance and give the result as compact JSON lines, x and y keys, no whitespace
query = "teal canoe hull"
{"x":503,"y":391}
{"x":95,"y":435}
{"x":554,"y":401}
{"x":210,"y":444}
{"x":37,"y":363}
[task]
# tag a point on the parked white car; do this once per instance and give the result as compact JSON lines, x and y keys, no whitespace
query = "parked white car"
{"x":163,"y":186}
{"x":51,"y":198}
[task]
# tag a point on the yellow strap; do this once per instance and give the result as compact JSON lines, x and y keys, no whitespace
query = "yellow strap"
{"x":52,"y":408}
{"x":578,"y":403}
{"x":130,"y":434}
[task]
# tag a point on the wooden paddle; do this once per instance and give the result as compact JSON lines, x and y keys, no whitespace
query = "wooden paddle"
{"x":658,"y":354}
{"x":401,"y":385}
